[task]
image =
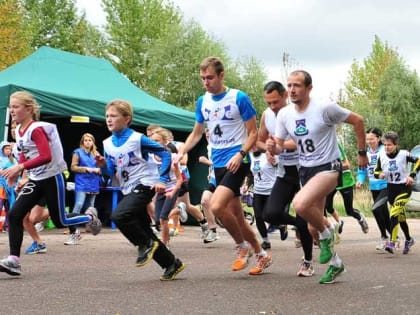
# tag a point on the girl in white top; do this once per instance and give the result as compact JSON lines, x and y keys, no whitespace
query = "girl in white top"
{"x":41,"y":154}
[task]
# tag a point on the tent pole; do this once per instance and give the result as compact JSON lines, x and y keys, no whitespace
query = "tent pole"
{"x":7,"y":124}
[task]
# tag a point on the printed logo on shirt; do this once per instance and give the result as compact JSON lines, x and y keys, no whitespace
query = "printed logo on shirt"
{"x":301,"y":129}
{"x":219,"y":113}
{"x":392,"y":165}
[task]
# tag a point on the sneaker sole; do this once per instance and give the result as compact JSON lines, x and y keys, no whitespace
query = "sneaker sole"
{"x":8,"y":271}
{"x":262,"y":270}
{"x":150,"y":255}
{"x":333,"y":280}
{"x":206,"y":241}
{"x":182,"y":267}
{"x":305,"y":275}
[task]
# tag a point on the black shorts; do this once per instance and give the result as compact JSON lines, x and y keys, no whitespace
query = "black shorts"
{"x":306,"y":173}
{"x":211,"y":188}
{"x":233,"y":181}
{"x":183,"y":189}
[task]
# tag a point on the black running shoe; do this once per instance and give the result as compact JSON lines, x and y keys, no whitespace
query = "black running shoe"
{"x":283,"y":232}
{"x":171,"y":272}
{"x":146,"y":252}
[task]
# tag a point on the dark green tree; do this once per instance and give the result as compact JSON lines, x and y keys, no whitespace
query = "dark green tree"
{"x":399,"y":102}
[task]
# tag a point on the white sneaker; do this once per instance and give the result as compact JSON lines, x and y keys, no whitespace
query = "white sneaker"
{"x":211,"y":237}
{"x":183,"y":215}
{"x":204,"y":230}
{"x":74,"y":238}
{"x":39,"y":226}
{"x":381,"y":244}
{"x":306,"y":270}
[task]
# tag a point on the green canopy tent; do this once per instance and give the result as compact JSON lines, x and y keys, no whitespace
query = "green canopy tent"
{"x":67,"y":84}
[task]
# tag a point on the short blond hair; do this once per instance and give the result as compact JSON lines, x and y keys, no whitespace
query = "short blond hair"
{"x":123,"y":107}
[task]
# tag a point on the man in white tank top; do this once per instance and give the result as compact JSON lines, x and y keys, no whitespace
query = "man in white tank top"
{"x":312,"y":126}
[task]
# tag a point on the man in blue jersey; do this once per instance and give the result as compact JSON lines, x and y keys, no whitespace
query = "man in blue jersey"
{"x":231,"y":119}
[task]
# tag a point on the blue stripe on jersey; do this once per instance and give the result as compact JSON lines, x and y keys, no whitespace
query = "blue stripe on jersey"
{"x":246,"y":108}
{"x":198,"y":116}
{"x":221,"y":157}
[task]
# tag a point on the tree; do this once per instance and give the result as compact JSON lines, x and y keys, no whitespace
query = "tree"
{"x":55,"y":23}
{"x":173,"y":70}
{"x":14,"y":36}
{"x":362,"y":86}
{"x":134,"y":26}
{"x":399,"y":101}
{"x":252,"y":82}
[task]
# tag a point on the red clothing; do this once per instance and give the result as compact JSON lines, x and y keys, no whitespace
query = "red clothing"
{"x":40,"y":138}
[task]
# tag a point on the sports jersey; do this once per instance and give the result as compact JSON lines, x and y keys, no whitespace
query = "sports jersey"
{"x":374,"y":183}
{"x":312,"y":130}
{"x":264,"y":174}
{"x":225,"y":115}
{"x":126,"y":153}
{"x":27,"y":147}
{"x":395,"y":168}
{"x":286,"y":157}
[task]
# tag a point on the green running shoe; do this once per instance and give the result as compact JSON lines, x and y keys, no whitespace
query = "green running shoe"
{"x":332,"y":273}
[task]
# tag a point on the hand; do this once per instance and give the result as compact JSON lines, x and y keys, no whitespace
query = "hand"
{"x":409,"y":181}
{"x":271,"y":158}
{"x":358,"y":185}
{"x":202,"y":159}
{"x":178,"y":157}
{"x":100,"y":160}
{"x":12,"y":172}
{"x":234,"y":163}
{"x":270,"y":143}
{"x":159,"y":187}
{"x":381,"y":176}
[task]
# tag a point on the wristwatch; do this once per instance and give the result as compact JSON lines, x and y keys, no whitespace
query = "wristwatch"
{"x":243,"y":153}
{"x":361,"y":152}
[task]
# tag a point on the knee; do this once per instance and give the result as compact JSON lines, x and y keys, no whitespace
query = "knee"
{"x":299,"y":206}
{"x":118,"y":216}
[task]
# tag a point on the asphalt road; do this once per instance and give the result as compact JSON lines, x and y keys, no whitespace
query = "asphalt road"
{"x":99,"y":277}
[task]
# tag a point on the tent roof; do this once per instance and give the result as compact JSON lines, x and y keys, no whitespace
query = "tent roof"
{"x":68,"y":84}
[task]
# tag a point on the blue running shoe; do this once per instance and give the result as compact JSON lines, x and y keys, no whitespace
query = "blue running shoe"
{"x":32,"y":249}
{"x":36,"y":248}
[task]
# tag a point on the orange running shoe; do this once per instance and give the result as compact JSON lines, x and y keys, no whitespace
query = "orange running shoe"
{"x":241,"y":261}
{"x":262,"y":263}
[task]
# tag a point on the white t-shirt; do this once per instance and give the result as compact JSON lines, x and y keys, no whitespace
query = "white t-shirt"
{"x":313,"y":131}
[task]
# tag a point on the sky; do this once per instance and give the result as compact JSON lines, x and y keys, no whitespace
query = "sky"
{"x":321,"y":36}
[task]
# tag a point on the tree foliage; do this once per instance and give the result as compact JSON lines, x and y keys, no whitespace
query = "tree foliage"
{"x":364,"y":80}
{"x":252,"y":82}
{"x":386,"y":93}
{"x":399,"y":100}
{"x":134,"y":27}
{"x":14,"y":36}
{"x":57,"y":24}
{"x":173,"y":71}
{"x":149,"y":41}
